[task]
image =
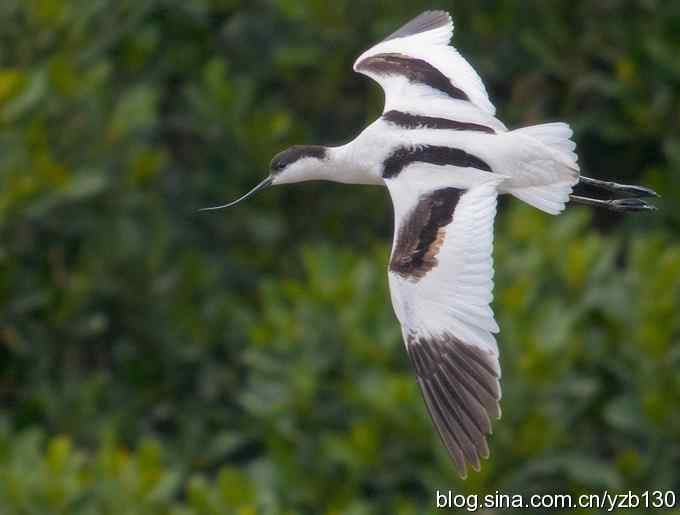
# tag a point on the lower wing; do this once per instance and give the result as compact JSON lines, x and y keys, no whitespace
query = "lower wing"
{"x":441,"y":281}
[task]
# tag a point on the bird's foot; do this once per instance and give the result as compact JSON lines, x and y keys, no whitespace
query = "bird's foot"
{"x":619,"y":205}
{"x":625,"y":189}
{"x":630,"y":204}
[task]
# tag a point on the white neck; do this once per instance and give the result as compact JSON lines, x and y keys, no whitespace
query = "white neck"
{"x":342,"y":165}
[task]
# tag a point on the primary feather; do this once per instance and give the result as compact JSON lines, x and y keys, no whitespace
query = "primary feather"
{"x":425,"y":38}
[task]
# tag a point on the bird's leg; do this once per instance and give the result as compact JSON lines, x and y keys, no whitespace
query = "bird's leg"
{"x":635,"y":191}
{"x":632,"y":203}
{"x":620,"y":205}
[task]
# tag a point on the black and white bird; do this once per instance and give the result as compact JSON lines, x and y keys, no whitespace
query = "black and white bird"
{"x":444,"y":158}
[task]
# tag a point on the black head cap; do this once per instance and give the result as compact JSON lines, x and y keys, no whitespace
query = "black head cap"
{"x":295,"y":153}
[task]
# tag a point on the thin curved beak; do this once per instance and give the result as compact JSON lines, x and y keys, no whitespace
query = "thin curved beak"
{"x":264,"y":184}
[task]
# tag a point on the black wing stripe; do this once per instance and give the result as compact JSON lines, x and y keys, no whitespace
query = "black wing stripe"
{"x":401,"y":157}
{"x":424,"y":22}
{"x":416,"y":71}
{"x":415,"y":121}
{"x":421,"y":233}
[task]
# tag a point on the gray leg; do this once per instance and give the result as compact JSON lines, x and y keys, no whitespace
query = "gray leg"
{"x":620,"y":205}
{"x":635,"y":191}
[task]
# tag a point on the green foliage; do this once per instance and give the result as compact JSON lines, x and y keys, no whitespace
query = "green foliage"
{"x":158,"y":360}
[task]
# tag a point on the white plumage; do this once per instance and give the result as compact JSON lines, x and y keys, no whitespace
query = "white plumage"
{"x":444,"y":158}
{"x":431,"y":44}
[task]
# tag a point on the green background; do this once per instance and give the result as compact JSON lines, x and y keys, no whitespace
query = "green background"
{"x":156,"y":360}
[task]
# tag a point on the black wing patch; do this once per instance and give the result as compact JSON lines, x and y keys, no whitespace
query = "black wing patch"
{"x":422,"y":233}
{"x":429,"y":20}
{"x":460,"y":385}
{"x":415,"y":70}
{"x":404,"y":156}
{"x":414,"y":121}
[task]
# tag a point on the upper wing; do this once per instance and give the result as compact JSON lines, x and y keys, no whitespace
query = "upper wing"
{"x":441,"y":281}
{"x":416,"y":62}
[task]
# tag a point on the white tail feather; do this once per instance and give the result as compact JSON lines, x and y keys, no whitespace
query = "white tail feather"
{"x":555,"y":135}
{"x":552,"y":198}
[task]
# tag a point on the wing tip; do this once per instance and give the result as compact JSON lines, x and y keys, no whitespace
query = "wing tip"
{"x":424,"y":22}
{"x":470,"y":373}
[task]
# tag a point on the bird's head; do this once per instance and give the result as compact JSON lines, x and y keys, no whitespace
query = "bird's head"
{"x":295,"y":164}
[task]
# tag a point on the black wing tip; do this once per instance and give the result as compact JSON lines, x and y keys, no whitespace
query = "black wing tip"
{"x":425,"y":21}
{"x":459,"y":383}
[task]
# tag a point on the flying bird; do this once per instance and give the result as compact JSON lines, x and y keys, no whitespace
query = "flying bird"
{"x":444,"y":158}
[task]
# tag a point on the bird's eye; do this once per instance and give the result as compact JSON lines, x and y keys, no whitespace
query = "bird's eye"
{"x":278,"y":166}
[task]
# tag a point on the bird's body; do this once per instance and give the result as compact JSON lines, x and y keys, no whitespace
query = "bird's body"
{"x":444,"y":157}
{"x":383,"y":149}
